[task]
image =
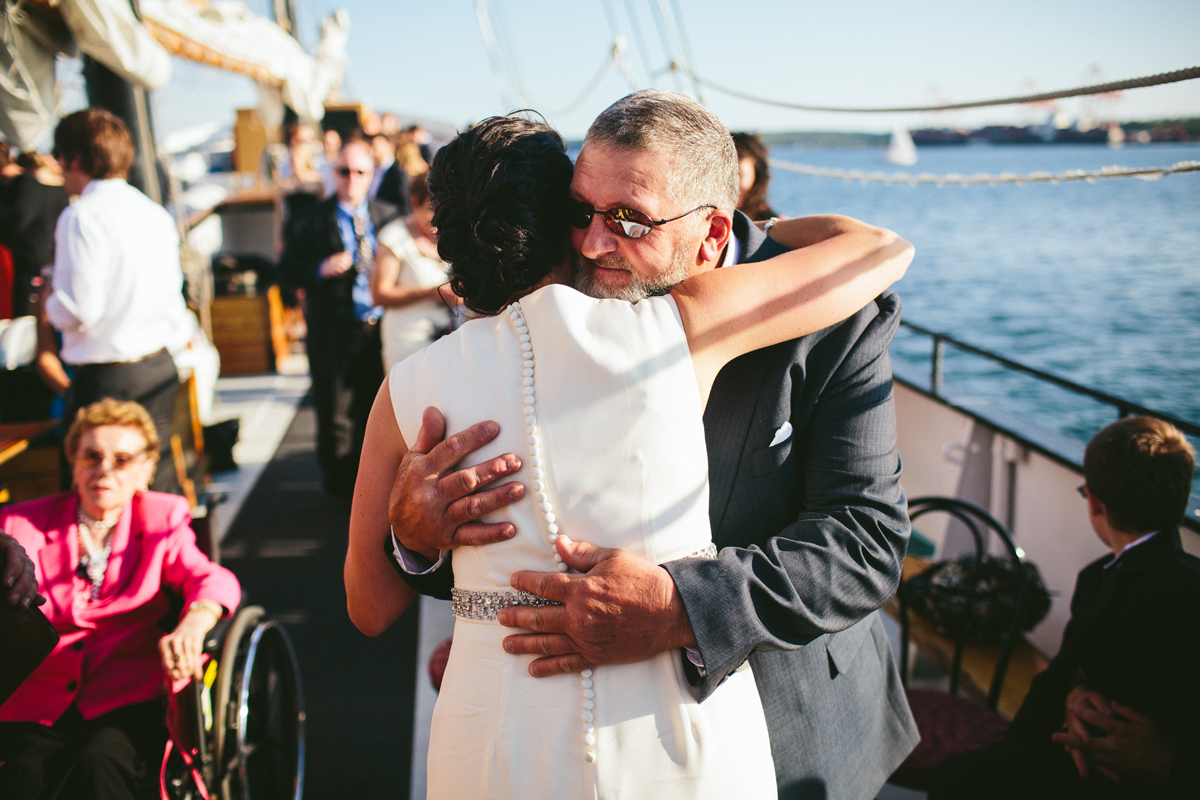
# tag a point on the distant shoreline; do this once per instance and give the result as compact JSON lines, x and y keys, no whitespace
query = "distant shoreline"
{"x":1162,"y":130}
{"x":817,"y":140}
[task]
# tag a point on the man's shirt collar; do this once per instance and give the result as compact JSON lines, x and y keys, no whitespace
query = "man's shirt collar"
{"x":733,"y":251}
{"x":1131,"y":545}
{"x":352,"y":211}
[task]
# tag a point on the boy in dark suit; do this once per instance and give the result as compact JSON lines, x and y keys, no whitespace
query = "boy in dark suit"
{"x":1117,"y":712}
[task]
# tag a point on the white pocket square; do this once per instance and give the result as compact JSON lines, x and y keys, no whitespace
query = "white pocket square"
{"x":782,"y":435}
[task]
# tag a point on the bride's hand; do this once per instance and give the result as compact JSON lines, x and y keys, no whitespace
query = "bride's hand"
{"x":621,"y":609}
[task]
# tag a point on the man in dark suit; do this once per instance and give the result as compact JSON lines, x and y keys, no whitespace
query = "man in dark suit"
{"x":390,"y":184}
{"x":805,"y":500}
{"x":328,"y":252}
{"x":1117,"y":712}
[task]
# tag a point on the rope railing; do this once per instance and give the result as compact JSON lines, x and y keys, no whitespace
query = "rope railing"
{"x":955,"y":179}
{"x":1098,"y":88}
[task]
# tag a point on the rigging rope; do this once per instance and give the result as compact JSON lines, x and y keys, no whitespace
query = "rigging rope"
{"x":954,"y":179}
{"x":614,"y":56}
{"x":1099,"y":88}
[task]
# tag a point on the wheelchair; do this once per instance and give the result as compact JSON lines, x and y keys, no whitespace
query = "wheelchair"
{"x":239,"y":733}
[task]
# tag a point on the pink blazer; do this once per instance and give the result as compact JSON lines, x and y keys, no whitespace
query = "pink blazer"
{"x":108,"y":655}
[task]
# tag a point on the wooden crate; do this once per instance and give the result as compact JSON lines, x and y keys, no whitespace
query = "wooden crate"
{"x":249,"y":333}
{"x":250,"y":137}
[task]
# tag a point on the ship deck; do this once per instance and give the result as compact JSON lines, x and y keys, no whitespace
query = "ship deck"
{"x":366,"y":698}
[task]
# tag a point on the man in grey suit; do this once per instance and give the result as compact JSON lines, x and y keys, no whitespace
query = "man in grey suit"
{"x":806,"y":505}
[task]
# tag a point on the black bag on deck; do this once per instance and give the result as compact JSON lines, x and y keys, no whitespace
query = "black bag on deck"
{"x":958,"y":596}
{"x":219,"y":439}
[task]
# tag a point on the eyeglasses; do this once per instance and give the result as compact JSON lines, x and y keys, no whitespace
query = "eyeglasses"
{"x":346,"y":172}
{"x":93,"y":459}
{"x":1082,"y":489}
{"x":621,"y":221}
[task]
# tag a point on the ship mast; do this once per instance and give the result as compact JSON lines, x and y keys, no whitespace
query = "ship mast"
{"x":130,"y":102}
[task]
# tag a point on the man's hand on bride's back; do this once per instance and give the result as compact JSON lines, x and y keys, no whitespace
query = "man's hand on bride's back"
{"x":434,"y":506}
{"x":620,"y":609}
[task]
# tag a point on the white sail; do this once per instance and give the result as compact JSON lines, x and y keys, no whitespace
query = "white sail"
{"x":901,"y":150}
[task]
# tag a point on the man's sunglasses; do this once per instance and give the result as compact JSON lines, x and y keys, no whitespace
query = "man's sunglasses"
{"x":621,"y":221}
{"x":346,"y":172}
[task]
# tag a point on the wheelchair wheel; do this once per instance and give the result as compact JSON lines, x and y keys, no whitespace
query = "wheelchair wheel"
{"x":258,"y":713}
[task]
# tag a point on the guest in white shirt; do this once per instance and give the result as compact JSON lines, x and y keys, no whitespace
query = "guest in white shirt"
{"x":116,"y":292}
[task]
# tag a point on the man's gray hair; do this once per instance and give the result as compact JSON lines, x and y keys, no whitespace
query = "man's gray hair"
{"x":704,"y":160}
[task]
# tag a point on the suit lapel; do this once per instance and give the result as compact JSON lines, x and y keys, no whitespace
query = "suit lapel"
{"x":336,"y":245}
{"x":58,"y":558}
{"x":123,"y":560}
{"x":727,"y":421}
{"x":734,"y":396}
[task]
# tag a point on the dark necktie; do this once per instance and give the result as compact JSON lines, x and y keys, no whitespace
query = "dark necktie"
{"x":365,"y":255}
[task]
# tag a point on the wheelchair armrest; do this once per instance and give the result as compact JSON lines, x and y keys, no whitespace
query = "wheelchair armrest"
{"x":215,"y":637}
{"x":212,"y":642}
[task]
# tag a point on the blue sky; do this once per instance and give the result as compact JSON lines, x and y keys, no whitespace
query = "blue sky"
{"x":428,"y":59}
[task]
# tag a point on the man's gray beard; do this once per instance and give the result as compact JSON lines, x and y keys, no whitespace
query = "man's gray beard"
{"x":586,"y":282}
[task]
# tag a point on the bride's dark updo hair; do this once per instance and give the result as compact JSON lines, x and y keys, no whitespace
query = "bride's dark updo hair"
{"x":500,"y":193}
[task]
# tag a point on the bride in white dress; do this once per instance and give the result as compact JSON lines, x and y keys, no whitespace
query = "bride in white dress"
{"x":602,"y":400}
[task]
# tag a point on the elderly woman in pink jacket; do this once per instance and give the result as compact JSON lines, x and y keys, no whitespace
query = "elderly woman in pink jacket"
{"x":89,"y":722}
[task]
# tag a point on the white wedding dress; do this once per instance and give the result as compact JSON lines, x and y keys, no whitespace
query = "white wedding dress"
{"x":599,"y":399}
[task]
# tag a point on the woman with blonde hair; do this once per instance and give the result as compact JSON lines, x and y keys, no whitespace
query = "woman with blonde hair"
{"x":112,"y":558}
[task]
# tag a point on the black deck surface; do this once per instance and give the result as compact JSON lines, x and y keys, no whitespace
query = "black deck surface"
{"x":287,"y":547}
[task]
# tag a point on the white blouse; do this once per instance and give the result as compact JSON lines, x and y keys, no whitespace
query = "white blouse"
{"x":117,"y":286}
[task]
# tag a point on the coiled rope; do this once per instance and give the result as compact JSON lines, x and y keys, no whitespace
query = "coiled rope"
{"x":954,"y":179}
{"x":1099,"y":88}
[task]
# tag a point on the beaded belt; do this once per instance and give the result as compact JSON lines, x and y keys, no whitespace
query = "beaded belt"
{"x":473,"y":604}
{"x":477,"y":604}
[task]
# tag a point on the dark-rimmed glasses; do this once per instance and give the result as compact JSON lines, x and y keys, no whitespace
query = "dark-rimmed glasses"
{"x":93,"y":459}
{"x":1082,"y":489}
{"x":621,"y":221}
{"x":346,"y":172}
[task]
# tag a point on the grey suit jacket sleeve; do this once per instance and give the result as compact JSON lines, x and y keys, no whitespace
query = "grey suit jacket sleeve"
{"x":812,"y":531}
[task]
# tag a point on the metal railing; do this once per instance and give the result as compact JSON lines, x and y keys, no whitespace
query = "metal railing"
{"x":1124,"y":407}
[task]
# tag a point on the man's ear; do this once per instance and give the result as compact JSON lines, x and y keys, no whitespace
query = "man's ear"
{"x":720,"y":229}
{"x":1096,"y":507}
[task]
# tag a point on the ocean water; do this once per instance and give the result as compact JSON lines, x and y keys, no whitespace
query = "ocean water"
{"x":1096,"y":283}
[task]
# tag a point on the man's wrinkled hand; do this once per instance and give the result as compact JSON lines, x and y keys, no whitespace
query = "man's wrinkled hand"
{"x":433,"y":506}
{"x":18,"y":576}
{"x":621,"y":609}
{"x":1132,"y":745}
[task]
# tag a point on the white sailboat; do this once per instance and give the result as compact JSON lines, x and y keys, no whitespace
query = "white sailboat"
{"x":901,"y":150}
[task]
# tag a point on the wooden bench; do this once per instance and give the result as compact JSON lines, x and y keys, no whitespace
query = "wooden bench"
{"x":27,"y":471}
{"x":979,"y":661}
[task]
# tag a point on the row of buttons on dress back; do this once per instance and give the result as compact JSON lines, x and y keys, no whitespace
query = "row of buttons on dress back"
{"x":542,"y":500}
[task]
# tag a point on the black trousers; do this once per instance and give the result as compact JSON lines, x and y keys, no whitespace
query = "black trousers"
{"x":347,"y":368}
{"x":1016,"y":769}
{"x":113,"y":757}
{"x":23,"y":396}
{"x":153,"y":382}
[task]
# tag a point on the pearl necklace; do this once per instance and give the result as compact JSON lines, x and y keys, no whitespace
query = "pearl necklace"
{"x":542,"y":502}
{"x":93,"y":565}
